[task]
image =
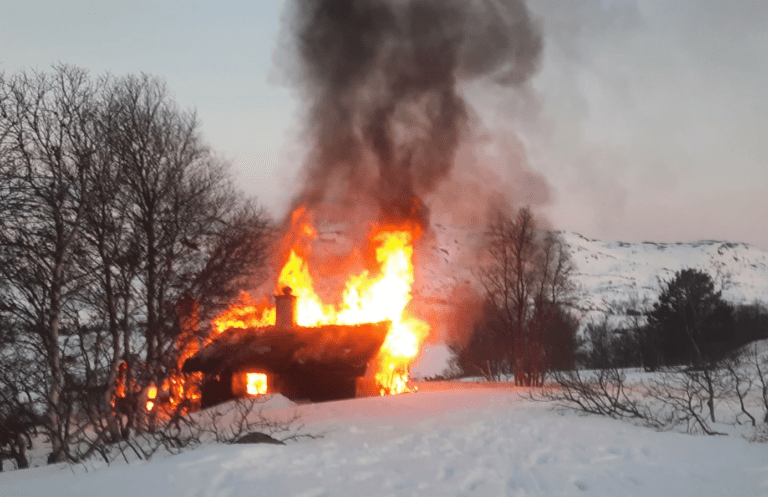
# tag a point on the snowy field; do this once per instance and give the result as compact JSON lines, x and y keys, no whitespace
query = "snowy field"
{"x":447,"y":439}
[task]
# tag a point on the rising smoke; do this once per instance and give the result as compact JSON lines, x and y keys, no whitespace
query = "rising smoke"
{"x":381,"y":77}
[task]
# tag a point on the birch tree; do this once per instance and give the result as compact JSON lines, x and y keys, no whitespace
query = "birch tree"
{"x":48,"y":147}
{"x":526,"y":276}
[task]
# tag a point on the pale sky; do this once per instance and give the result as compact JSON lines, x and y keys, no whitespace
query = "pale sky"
{"x":648,"y":118}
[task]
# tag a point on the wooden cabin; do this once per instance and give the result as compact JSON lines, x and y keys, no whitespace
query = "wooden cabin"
{"x":302,"y":363}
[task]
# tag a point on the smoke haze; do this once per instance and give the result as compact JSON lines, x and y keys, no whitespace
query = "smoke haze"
{"x":381,"y":80}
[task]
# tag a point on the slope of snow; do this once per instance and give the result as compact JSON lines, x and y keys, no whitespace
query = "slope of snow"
{"x":467,"y":440}
{"x":610,"y":276}
{"x":612,"y":273}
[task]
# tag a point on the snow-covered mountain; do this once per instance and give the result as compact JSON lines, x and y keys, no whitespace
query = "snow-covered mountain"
{"x":613,"y":274}
{"x":610,"y":276}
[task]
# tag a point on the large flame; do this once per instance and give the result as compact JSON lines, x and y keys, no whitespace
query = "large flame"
{"x":245,"y":313}
{"x":381,"y":293}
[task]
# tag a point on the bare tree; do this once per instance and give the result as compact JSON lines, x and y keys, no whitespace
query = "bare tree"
{"x":526,"y":277}
{"x":48,"y":147}
{"x":20,"y":375}
{"x":154,"y":144}
{"x":552,"y":326}
{"x":196,"y":238}
{"x":116,"y":223}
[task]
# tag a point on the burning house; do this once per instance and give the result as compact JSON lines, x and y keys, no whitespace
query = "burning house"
{"x":307,"y":349}
{"x":303,"y":363}
{"x":385,"y":118}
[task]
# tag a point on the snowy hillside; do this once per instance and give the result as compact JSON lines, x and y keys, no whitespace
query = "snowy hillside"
{"x":609,"y":275}
{"x":612,"y":273}
{"x":461,"y":440}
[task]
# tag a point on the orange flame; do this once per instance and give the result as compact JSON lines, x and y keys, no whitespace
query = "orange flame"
{"x":381,"y":294}
{"x":151,"y":396}
{"x":180,"y":392}
{"x":256,"y":383}
{"x":245,"y":313}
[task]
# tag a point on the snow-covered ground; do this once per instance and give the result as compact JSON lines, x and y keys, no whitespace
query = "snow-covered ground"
{"x":466,"y":438}
{"x":447,"y":439}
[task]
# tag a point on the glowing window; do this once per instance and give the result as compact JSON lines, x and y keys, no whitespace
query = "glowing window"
{"x":255,"y":383}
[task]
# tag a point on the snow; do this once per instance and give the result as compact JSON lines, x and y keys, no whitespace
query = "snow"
{"x":614,"y":272}
{"x":609,"y":276}
{"x":455,"y":439}
{"x":465,"y":438}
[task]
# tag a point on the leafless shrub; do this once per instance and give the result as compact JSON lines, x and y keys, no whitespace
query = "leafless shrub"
{"x":229,"y":422}
{"x":740,"y":380}
{"x":603,"y":392}
{"x":684,"y":398}
{"x":672,"y":400}
{"x":759,"y":360}
{"x":177,"y":432}
{"x":761,"y":366}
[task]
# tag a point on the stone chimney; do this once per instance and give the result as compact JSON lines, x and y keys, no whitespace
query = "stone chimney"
{"x":285,"y":309}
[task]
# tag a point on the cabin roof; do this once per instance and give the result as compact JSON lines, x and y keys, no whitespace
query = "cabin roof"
{"x":336,"y":349}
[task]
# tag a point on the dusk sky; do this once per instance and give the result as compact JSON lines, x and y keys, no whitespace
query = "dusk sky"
{"x":648,"y":119}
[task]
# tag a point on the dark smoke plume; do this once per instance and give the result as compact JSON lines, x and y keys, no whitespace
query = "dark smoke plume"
{"x":381,"y":77}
